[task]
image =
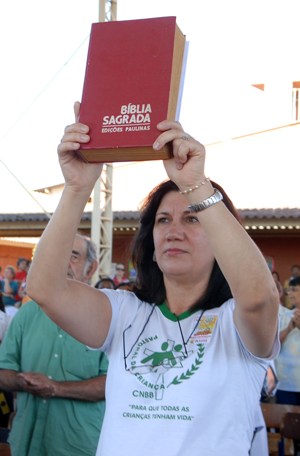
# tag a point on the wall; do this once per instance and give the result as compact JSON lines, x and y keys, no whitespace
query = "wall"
{"x":284,"y":251}
{"x":122,"y":250}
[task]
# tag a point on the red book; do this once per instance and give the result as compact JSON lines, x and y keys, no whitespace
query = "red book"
{"x":132,"y":82}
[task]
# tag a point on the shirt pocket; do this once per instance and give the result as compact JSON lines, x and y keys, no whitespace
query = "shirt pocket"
{"x":80,"y":363}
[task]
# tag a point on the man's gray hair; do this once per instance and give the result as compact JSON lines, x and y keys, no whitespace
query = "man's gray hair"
{"x":91,"y":251}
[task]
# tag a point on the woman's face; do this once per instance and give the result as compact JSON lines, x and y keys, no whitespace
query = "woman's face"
{"x":275,"y":276}
{"x":294,"y":295}
{"x":9,"y":274}
{"x":181,"y":245}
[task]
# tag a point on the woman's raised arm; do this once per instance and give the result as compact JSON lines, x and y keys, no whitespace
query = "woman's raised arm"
{"x":242,"y":263}
{"x":72,"y":305}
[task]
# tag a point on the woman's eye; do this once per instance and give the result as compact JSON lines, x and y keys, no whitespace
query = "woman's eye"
{"x":192,"y":219}
{"x":162,"y":220}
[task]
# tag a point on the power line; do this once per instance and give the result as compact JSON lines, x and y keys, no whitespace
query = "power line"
{"x":23,"y":114}
{"x":25,"y":188}
{"x":42,"y":91}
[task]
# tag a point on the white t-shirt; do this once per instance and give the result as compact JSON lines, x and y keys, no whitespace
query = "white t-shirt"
{"x":288,"y":361}
{"x":162,"y":403}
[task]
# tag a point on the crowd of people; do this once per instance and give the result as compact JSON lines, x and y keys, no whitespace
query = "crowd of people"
{"x":179,"y":356}
{"x":118,"y":280}
{"x":13,"y":285}
{"x":287,"y":363}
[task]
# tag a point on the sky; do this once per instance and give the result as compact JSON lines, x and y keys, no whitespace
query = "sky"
{"x":232,"y":44}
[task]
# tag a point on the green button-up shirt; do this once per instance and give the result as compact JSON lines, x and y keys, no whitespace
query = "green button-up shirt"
{"x":56,"y":426}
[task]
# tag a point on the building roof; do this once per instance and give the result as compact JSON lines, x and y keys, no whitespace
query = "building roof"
{"x":276,"y":214}
{"x":256,"y":221}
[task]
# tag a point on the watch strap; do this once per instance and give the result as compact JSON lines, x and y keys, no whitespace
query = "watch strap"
{"x":213,"y":199}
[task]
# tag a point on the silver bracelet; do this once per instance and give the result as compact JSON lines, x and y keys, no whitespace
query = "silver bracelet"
{"x":213,"y":199}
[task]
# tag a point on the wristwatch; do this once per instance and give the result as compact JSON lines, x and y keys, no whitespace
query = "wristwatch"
{"x":213,"y":199}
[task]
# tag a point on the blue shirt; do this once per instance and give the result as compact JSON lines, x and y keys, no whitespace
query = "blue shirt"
{"x":10,"y":300}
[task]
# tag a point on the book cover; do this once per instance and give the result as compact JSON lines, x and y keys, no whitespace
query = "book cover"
{"x":132,"y":82}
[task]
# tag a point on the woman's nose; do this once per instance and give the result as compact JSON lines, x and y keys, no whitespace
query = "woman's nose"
{"x":174,"y":233}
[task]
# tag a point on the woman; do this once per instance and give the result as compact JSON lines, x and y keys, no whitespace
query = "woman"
{"x":9,"y":288}
{"x":186,"y":361}
{"x":279,"y":286}
{"x":288,"y":360}
{"x":4,"y":320}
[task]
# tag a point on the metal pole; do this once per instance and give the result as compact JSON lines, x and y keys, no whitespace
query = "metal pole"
{"x":102,"y":215}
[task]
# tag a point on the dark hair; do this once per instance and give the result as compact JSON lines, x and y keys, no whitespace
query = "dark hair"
{"x":128,"y":285}
{"x":294,"y":282}
{"x":20,"y":260}
{"x":12,"y":270}
{"x":2,"y":307}
{"x":276,"y":274}
{"x":101,"y":281}
{"x":149,"y":284}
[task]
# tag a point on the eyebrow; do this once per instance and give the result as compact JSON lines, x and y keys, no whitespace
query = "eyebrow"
{"x":75,"y":252}
{"x":187,"y":211}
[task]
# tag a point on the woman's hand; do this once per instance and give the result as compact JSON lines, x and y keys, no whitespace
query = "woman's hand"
{"x":77,"y":173}
{"x":296,"y":318}
{"x":186,"y":168}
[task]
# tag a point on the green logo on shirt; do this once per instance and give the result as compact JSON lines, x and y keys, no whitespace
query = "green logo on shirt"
{"x":151,"y":366}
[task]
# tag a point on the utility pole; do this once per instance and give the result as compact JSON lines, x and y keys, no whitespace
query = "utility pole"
{"x":107,"y":10}
{"x":102,"y":215}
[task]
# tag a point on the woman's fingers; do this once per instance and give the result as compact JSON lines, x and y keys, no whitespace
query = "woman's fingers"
{"x":169,"y":124}
{"x":74,"y":135}
{"x":76,"y":128}
{"x":184,"y":145}
{"x":76,"y":110}
{"x":171,"y":130}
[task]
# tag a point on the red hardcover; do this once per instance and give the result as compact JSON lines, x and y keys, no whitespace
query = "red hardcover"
{"x":131,"y":83}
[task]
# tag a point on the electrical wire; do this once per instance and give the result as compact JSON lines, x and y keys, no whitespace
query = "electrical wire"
{"x":23,"y":114}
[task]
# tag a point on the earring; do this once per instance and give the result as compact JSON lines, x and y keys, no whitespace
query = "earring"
{"x":154,"y":256}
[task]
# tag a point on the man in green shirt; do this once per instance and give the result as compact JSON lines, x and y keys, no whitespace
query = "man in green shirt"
{"x":60,"y":383}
